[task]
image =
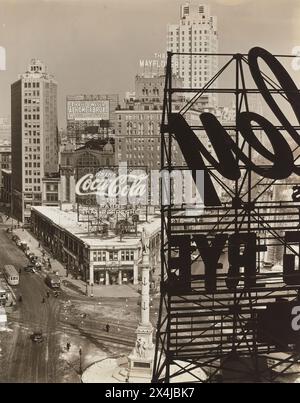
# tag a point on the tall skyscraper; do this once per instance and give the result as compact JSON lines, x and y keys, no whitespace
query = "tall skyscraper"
{"x":195,"y":33}
{"x":34,"y":136}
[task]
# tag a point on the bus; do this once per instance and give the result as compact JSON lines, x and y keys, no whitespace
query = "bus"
{"x":53,"y":281}
{"x":11,"y":274}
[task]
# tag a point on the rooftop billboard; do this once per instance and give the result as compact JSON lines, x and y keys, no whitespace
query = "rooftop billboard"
{"x":88,"y":110}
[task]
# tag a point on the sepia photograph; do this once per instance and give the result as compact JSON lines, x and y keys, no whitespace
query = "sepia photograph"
{"x":149,"y":194}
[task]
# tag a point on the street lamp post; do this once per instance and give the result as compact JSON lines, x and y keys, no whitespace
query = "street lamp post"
{"x":80,"y":360}
{"x":92,"y":290}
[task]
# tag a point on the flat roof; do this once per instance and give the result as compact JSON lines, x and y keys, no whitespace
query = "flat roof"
{"x":66,"y":219}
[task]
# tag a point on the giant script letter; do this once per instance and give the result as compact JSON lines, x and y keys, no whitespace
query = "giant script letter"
{"x":228,"y":154}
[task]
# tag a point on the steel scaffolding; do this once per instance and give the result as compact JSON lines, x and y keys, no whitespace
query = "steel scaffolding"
{"x":217,"y":332}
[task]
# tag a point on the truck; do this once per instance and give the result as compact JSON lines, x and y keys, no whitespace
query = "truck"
{"x":52,"y":281}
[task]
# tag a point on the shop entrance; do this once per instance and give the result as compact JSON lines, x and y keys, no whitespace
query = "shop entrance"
{"x":114,"y":276}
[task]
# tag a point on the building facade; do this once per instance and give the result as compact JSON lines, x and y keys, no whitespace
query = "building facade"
{"x":75,"y":162}
{"x":5,"y":129}
{"x":34,"y":136}
{"x":94,"y":258}
{"x":6,"y":187}
{"x":90,"y":117}
{"x":196,"y":32}
{"x":5,"y":162}
{"x":139,"y":121}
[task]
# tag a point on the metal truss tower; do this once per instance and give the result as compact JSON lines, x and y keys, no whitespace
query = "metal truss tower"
{"x":207,"y":336}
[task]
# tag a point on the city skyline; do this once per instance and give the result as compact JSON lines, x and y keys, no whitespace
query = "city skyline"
{"x":70,"y":50}
{"x":149,"y":203}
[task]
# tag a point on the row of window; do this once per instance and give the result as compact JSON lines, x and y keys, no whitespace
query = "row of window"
{"x":32,"y":164}
{"x":32,"y":93}
{"x":51,"y":197}
{"x":31,"y":101}
{"x":146,"y":91}
{"x":29,"y":172}
{"x":144,"y":157}
{"x":31,"y":85}
{"x":32,"y":125}
{"x":32,"y":141}
{"x":34,"y":189}
{"x":200,"y":31}
{"x":34,"y":116}
{"x":31,"y":108}
{"x":134,"y":148}
{"x":32,"y":157}
{"x":103,"y":256}
{"x":30,"y":180}
{"x":142,"y":140}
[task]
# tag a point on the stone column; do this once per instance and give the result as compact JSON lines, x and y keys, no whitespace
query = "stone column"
{"x":106,"y":277}
{"x":145,"y":298}
{"x":135,"y":274}
{"x":72,"y":189}
{"x":142,"y":357}
{"x":91,"y":274}
{"x":120,"y":277}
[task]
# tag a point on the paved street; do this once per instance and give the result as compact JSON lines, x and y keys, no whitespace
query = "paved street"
{"x":70,"y":318}
{"x":24,"y":360}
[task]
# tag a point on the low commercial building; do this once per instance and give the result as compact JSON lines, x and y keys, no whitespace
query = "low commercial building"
{"x":97,"y":257}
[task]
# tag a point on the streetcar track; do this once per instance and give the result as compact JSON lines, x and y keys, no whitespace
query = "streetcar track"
{"x":75,"y":330}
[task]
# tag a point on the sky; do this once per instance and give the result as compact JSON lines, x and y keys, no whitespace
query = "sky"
{"x":94,"y":46}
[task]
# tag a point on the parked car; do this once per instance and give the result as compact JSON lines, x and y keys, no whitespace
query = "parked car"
{"x":24,"y":246}
{"x":31,"y":256}
{"x":37,"y":337}
{"x":38,"y":263}
{"x":29,"y":269}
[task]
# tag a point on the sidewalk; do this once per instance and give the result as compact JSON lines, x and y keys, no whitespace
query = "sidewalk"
{"x":69,"y":284}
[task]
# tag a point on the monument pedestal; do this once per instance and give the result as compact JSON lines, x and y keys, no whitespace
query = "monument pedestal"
{"x":140,"y":361}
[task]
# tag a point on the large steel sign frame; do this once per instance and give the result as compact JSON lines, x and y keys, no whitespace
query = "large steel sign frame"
{"x":226,"y":272}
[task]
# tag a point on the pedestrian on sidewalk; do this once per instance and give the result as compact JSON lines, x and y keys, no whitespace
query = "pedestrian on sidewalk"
{"x":43,"y":300}
{"x":48,"y":294}
{"x":107,"y":327}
